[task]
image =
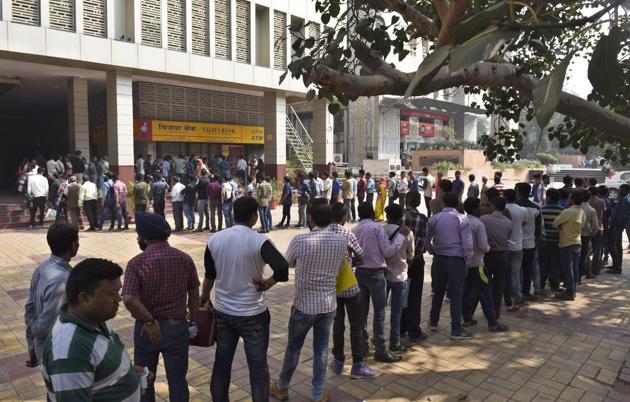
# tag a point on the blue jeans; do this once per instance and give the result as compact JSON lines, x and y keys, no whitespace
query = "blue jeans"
{"x":255,"y":333}
{"x":174,"y":350}
{"x":449,"y":271}
{"x":189,"y":213}
{"x":397,"y":291}
{"x":202,"y":206}
{"x":227,"y":214}
{"x":299,"y":326}
{"x":570,"y":264}
{"x":269,"y":225}
{"x":516,"y":277}
{"x":265,"y":221}
{"x":372,"y":284}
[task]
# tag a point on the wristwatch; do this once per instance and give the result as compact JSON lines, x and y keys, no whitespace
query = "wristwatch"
{"x":150,"y":322}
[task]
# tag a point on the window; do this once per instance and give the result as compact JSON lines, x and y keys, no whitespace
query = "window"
{"x":262,"y":36}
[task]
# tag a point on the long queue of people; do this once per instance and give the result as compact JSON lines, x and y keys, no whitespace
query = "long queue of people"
{"x":497,"y":248}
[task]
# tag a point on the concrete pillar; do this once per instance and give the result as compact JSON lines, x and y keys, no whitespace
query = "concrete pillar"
{"x":188,"y":25}
{"x":5,"y":10}
{"x":322,"y":134}
{"x":44,"y":13}
{"x":78,"y":116}
{"x":460,"y":125}
{"x":275,"y":108}
{"x":120,"y":124}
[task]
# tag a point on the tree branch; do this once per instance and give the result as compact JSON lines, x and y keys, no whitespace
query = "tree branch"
{"x":453,"y":18}
{"x":442,"y":7}
{"x":374,"y":61}
{"x":568,"y":24}
{"x":414,"y":17}
{"x":482,"y":74}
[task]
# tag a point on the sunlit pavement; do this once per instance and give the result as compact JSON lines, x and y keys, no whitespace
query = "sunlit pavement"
{"x":573,"y":351}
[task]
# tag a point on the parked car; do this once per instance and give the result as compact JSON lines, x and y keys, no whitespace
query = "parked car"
{"x":616,"y":180}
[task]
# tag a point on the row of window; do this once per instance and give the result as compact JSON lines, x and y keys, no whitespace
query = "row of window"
{"x":62,"y":16}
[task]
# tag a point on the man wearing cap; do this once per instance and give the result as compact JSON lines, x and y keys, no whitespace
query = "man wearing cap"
{"x":159,"y":284}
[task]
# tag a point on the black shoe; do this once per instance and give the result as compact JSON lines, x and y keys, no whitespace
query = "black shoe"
{"x":419,"y":338}
{"x":387,"y":358}
{"x":499,"y":328}
{"x":206,"y":228}
{"x":399,"y":348}
{"x":111,"y":228}
{"x":613,"y":271}
{"x":469,"y":323}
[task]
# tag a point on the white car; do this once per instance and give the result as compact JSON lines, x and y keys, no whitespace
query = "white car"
{"x":615,"y":181}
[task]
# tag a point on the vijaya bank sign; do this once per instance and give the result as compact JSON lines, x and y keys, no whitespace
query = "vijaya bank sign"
{"x":177,"y":131}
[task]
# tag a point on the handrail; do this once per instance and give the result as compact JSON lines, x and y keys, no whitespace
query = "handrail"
{"x":308,"y":136}
{"x":301,"y":142}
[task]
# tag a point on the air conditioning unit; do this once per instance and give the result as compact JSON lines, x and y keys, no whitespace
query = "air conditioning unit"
{"x":338,"y":158}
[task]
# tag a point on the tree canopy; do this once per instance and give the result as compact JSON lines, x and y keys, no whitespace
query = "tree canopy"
{"x":515,"y":54}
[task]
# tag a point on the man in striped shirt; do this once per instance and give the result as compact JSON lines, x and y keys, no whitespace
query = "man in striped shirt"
{"x":549,"y":253}
{"x":83,"y":360}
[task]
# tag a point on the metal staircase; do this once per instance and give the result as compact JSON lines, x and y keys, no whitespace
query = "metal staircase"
{"x":299,"y":140}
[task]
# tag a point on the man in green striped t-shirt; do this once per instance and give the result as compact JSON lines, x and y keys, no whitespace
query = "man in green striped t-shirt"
{"x":83,"y":360}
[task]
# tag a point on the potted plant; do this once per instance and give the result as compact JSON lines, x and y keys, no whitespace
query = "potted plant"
{"x":276,"y":193}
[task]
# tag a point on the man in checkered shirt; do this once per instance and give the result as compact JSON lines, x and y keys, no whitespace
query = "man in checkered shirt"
{"x":317,"y":258}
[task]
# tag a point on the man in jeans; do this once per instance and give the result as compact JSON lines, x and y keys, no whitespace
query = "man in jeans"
{"x":347,"y":194}
{"x":227,"y":196}
{"x":202,"y":203}
{"x":317,"y":258}
{"x":532,"y":234}
{"x":216,"y":210}
{"x":190,"y":194}
{"x":549,"y":253}
{"x":263,"y":192}
{"x":449,"y":239}
{"x":349,"y":301}
{"x":513,"y":294}
{"x":570,"y":223}
{"x":237,"y":275}
{"x":159,"y":284}
{"x":377,"y":246}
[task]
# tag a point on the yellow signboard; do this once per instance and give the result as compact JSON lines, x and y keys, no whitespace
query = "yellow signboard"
{"x":177,"y":131}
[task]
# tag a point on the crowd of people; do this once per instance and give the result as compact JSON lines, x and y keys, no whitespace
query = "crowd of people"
{"x":499,"y":247}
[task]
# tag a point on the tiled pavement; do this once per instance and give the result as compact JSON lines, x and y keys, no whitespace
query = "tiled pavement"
{"x":555,"y":351}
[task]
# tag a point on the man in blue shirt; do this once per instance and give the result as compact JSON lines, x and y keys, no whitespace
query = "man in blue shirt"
{"x":48,"y":288}
{"x":458,"y":185}
{"x":158,"y":194}
{"x":370,"y":188}
{"x":336,"y":188}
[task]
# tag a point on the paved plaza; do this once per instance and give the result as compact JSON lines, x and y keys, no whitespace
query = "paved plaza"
{"x":555,"y":350}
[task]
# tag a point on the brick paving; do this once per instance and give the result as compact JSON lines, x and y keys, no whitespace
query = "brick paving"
{"x":576,"y":351}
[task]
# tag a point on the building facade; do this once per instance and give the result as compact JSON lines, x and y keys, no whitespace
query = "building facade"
{"x":122,"y":77}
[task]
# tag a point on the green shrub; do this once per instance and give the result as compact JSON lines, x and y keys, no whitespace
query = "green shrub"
{"x":445,"y":166}
{"x":518,"y":165}
{"x":548,"y":159}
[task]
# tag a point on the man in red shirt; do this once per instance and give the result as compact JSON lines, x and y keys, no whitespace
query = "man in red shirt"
{"x":159,"y":284}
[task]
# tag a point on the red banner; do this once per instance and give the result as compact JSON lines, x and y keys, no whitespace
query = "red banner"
{"x":404,"y":128}
{"x":426,"y":115}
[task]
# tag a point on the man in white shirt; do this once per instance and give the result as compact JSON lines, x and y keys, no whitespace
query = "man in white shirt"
{"x":89,"y":196}
{"x":37,"y":189}
{"x":402,"y":188}
{"x":241,"y":169}
{"x":177,"y":198}
{"x":429,"y":185}
{"x":140,"y":166}
{"x":319,"y":184}
{"x":52,"y":168}
{"x":227,"y":196}
{"x":327,"y":186}
{"x":513,"y":294}
{"x":237,"y":275}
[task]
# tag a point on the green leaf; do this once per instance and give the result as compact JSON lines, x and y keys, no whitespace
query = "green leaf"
{"x":333,"y":108}
{"x":480,"y":21}
{"x":432,"y":62}
{"x":479,"y":48}
{"x":546,"y":94}
{"x":309,"y":43}
{"x":325,"y":18}
{"x":604,"y":71}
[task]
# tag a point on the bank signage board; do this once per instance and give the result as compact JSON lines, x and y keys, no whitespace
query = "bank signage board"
{"x":178,"y":131}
